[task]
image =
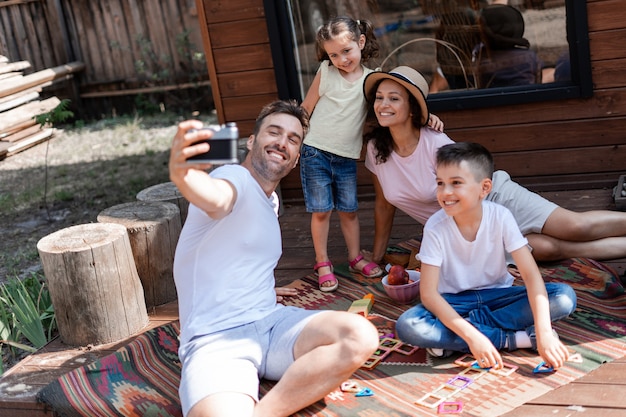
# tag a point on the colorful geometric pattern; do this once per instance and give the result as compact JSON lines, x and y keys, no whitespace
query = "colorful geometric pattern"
{"x":585,"y":275}
{"x":142,"y":378}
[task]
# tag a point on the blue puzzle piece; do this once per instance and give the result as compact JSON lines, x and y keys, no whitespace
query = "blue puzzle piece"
{"x":365,"y":392}
{"x":543,"y":368}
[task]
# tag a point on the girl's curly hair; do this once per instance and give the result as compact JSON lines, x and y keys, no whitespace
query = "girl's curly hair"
{"x":346,"y":26}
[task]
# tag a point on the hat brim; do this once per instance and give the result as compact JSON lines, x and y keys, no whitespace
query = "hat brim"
{"x":375,"y":77}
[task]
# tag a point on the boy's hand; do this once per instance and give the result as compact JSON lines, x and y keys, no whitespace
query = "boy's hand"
{"x":485,"y":353}
{"x":552,"y":350}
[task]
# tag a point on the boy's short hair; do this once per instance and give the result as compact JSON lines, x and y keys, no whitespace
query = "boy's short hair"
{"x":476,"y":155}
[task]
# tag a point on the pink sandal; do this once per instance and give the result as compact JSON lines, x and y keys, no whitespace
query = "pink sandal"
{"x":367,"y":269}
{"x":326,"y":278}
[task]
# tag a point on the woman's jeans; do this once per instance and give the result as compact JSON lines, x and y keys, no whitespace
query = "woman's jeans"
{"x":497,"y":313}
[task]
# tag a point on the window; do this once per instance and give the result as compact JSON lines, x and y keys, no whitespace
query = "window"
{"x":474,"y":53}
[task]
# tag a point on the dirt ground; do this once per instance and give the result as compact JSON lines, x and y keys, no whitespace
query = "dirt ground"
{"x":71,"y":178}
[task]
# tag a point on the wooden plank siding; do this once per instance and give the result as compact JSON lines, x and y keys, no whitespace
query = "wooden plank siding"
{"x":239,"y":59}
{"x":550,"y":145}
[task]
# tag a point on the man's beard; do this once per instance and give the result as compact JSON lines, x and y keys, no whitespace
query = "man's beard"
{"x":260,"y":163}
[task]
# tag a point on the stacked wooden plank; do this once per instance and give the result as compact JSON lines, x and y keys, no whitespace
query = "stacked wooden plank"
{"x":20,"y":104}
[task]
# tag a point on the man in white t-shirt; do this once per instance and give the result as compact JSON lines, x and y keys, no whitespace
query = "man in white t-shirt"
{"x":469,"y":303}
{"x":233,"y":331}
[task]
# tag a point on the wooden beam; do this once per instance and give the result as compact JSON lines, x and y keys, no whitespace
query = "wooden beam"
{"x":16,"y":128}
{"x":18,"y":101}
{"x":132,"y":91}
{"x":30,"y":141}
{"x":9,"y":148}
{"x":21,"y":134}
{"x":20,"y":94}
{"x":10,"y":118}
{"x":14,"y":66}
{"x":42,"y":76}
{"x":16,"y":2}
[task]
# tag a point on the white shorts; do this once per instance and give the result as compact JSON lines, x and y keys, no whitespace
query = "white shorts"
{"x":529,"y":209}
{"x":234,"y":360}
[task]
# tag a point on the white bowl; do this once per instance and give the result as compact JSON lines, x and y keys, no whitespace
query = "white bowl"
{"x":404,"y":294}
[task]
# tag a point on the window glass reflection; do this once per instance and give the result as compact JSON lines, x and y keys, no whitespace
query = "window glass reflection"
{"x":457,"y":44}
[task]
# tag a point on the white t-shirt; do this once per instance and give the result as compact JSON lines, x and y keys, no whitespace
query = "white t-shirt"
{"x":471,"y":265}
{"x":409,"y":182}
{"x":224,"y":269}
{"x":337,"y":121}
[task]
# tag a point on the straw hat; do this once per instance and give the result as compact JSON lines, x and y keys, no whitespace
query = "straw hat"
{"x":409,"y":78}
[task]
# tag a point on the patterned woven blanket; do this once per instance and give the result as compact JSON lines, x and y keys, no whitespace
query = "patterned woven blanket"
{"x":142,"y":378}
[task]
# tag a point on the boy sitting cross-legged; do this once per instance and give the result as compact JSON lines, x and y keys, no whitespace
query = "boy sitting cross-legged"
{"x":468,"y":301}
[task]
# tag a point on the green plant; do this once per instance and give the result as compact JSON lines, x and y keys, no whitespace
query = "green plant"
{"x":144,"y":106}
{"x":64,"y":195}
{"x":26,"y":312}
{"x":59,"y":114}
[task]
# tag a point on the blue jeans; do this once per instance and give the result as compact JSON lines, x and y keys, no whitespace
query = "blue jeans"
{"x":328,"y":181}
{"x":497,"y":313}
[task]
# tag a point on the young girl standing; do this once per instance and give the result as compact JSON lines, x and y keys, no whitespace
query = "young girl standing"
{"x":332,"y":147}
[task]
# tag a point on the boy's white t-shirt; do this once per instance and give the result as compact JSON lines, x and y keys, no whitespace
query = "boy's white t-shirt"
{"x":473,"y":265}
{"x":215,"y":259}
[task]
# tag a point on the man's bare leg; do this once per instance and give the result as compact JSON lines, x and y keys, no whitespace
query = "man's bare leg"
{"x":330,"y":348}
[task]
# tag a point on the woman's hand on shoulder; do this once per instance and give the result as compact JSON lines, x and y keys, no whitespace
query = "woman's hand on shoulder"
{"x":435,"y":123}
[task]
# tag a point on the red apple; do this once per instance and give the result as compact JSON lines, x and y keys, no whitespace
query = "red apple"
{"x":397,"y":275}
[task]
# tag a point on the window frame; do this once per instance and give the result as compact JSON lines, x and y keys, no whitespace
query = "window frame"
{"x":579,"y":87}
{"x":282,"y":41}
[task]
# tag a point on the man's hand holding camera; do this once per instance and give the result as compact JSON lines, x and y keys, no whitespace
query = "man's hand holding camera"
{"x":189,"y":172}
{"x":222,"y":145}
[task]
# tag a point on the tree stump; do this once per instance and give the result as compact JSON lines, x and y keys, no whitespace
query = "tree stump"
{"x":168,"y":192}
{"x":153,"y":228}
{"x":93,"y":282}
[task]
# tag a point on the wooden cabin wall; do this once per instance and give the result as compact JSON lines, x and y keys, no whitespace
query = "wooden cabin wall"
{"x":239,"y":59}
{"x":551,"y":145}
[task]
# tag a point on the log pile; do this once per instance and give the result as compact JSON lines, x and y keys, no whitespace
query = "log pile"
{"x":20,"y":104}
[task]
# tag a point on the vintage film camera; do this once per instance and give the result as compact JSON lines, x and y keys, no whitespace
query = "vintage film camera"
{"x":223,"y":145}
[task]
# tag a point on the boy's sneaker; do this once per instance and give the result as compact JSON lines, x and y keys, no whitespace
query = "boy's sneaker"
{"x":439,"y":353}
{"x":530,"y":331}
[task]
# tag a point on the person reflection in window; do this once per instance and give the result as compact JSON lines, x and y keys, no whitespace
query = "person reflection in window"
{"x":500,"y":55}
{"x":504,"y":58}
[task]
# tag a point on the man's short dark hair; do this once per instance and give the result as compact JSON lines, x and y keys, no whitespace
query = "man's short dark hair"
{"x":289,"y":107}
{"x":477,"y":156}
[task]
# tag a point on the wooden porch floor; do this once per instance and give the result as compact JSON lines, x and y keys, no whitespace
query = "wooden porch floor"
{"x":597,"y":394}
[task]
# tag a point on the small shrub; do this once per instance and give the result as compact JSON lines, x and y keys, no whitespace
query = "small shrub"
{"x":26,"y":315}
